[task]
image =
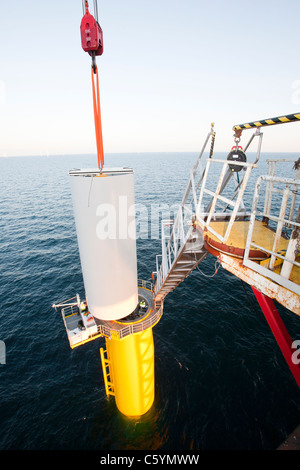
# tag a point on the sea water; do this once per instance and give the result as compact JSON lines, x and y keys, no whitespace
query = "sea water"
{"x":221,"y":381}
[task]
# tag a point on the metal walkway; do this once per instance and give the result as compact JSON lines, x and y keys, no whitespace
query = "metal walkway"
{"x":172,"y":273}
{"x":212,"y":210}
{"x":182,"y":241}
{"x":182,"y":244}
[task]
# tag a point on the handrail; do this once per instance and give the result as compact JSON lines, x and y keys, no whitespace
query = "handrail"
{"x":131,"y":328}
{"x":146,"y":284}
{"x":289,"y":257}
{"x":66,"y":303}
{"x":181,"y":230}
{"x":217,"y":195}
{"x":191,"y":210}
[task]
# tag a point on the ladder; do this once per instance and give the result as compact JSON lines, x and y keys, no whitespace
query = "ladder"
{"x":107,"y":375}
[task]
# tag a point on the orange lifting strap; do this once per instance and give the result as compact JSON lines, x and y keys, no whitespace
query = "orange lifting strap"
{"x":97,"y":116}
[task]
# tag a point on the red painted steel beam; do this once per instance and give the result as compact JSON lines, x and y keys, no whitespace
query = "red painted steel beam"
{"x":279,"y":331}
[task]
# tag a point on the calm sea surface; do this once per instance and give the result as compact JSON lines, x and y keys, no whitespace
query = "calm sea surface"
{"x":221,"y":380}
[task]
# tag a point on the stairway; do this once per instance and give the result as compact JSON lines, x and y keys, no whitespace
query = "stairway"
{"x":189,"y":256}
{"x":182,"y":237}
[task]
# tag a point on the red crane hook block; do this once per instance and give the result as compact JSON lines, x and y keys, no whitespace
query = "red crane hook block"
{"x":91,"y":34}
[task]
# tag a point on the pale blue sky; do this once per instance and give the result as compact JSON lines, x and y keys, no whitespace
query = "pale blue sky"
{"x":169,"y":69}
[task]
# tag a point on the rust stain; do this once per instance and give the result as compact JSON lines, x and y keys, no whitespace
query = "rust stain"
{"x":233,"y":262}
{"x":288,"y":299}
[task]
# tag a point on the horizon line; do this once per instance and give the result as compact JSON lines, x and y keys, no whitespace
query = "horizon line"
{"x":128,"y":153}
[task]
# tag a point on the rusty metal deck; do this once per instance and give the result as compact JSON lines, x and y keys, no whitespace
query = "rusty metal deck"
{"x":231,"y":255}
{"x":263,"y":235}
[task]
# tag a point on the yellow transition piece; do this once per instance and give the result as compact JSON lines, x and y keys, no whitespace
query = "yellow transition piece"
{"x":131,"y":362}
